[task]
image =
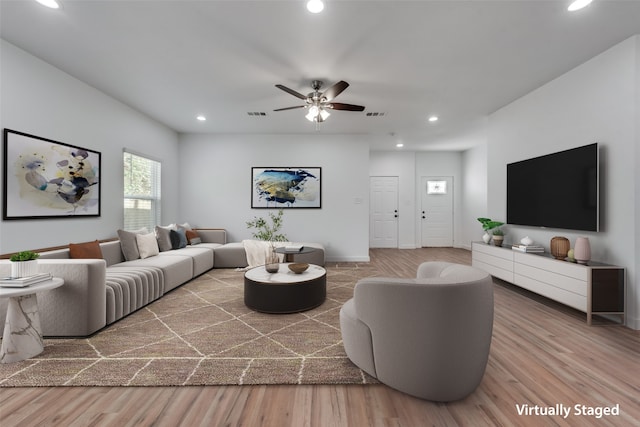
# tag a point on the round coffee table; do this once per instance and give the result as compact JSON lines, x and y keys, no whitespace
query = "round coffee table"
{"x":285,"y":291}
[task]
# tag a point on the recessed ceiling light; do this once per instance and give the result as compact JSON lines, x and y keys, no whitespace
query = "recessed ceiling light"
{"x":201,"y":118}
{"x":578,"y":4}
{"x":433,"y":119}
{"x":53,"y":4}
{"x":400,"y":145}
{"x":315,"y":6}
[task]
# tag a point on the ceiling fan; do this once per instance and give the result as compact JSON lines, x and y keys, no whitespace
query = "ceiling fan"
{"x":319,"y":102}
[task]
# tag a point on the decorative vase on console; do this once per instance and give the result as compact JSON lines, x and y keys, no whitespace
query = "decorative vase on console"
{"x":486,"y":237}
{"x":582,"y":250}
{"x":559,"y":247}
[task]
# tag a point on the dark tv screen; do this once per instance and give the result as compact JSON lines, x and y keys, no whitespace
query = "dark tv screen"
{"x":558,"y":190}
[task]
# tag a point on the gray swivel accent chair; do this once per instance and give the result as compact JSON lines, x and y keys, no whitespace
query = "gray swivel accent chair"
{"x":428,"y":337}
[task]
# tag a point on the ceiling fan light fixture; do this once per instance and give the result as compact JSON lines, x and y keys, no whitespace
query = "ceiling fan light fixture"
{"x":578,"y":4}
{"x":315,"y":6}
{"x":52,"y":4}
{"x":324,"y":114}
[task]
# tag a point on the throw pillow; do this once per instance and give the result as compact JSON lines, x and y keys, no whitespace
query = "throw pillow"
{"x":195,"y":241}
{"x":147,"y":245}
{"x":192,"y":234}
{"x":164,"y":240}
{"x":128,"y":243}
{"x":89,"y":250}
{"x":182,"y":232}
{"x":178,"y":239}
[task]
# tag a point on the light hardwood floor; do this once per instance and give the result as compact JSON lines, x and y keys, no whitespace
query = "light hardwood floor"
{"x":542,"y":354}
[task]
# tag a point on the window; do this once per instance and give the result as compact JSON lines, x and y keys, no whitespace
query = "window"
{"x":141,"y":192}
{"x":436,"y":187}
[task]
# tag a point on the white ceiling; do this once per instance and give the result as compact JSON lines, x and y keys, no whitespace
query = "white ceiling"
{"x":461,"y":60}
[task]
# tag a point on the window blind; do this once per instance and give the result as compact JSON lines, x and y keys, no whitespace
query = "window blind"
{"x":142,"y":192}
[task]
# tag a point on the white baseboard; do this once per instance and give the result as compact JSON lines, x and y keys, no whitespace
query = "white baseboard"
{"x":407,"y":247}
{"x":348,"y":259}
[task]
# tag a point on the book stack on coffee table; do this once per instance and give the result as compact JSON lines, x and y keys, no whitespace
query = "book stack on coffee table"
{"x":21,"y":282}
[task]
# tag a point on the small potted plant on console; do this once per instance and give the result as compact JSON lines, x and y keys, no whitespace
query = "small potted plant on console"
{"x":487,"y":225}
{"x":498,"y":236}
{"x":24,"y":264}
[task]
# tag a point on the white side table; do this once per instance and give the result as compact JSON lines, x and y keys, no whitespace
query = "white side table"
{"x":22,"y":337}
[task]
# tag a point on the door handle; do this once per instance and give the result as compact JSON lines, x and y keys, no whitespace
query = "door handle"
{"x":395,"y":213}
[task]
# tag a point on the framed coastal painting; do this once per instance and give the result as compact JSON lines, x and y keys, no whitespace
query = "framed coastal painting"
{"x":48,"y":179}
{"x":286,"y":187}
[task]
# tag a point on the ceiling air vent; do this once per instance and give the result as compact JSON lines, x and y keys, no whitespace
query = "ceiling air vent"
{"x":376,"y":114}
{"x":256,"y":113}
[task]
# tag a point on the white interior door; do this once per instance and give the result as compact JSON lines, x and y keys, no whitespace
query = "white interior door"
{"x":437,"y":211}
{"x":383,"y":216}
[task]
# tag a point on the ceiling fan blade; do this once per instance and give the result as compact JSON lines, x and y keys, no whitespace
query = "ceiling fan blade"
{"x":292,"y":92}
{"x":347,"y":107}
{"x":290,"y":108}
{"x":335,"y":90}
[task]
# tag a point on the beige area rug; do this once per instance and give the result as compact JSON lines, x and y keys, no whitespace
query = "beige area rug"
{"x":203,"y":334}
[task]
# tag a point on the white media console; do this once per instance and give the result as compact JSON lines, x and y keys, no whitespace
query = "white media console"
{"x":594,"y":288}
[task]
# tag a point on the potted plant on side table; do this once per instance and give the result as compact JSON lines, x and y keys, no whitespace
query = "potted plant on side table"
{"x":24,"y":264}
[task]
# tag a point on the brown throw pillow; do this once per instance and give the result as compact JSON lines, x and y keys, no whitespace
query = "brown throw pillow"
{"x":89,"y":250}
{"x":191,"y":234}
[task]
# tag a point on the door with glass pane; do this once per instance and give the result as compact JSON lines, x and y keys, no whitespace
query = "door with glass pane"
{"x":437,"y":211}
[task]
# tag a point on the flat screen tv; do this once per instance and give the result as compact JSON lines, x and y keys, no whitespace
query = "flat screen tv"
{"x":558,"y":190}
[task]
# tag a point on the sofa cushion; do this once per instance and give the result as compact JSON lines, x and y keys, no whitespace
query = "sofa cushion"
{"x":202,"y":257}
{"x":164,"y":238}
{"x":147,"y":245}
{"x":176,"y":269}
{"x":88,"y":250}
{"x":128,"y":243}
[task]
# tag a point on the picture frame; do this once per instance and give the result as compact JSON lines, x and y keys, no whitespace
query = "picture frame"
{"x":44,"y":178}
{"x":286,"y":187}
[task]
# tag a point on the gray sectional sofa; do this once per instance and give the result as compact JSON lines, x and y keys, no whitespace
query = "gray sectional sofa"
{"x":98,"y":292}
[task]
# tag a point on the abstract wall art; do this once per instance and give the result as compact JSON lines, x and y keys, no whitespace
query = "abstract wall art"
{"x":48,"y":179}
{"x":286,"y":187}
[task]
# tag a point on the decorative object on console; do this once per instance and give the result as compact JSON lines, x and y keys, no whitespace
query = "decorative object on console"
{"x":526,"y":241}
{"x":559,"y":247}
{"x":49,"y":179}
{"x":286,"y":188}
{"x":582,"y":250}
{"x":498,"y":237}
{"x":528,"y":248}
{"x":24,"y":264}
{"x":487,"y":225}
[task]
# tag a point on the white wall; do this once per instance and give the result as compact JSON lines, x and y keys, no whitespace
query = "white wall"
{"x":215,"y":187}
{"x":596,"y":102}
{"x":474,"y":189}
{"x":41,"y":100}
{"x":401,"y":164}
